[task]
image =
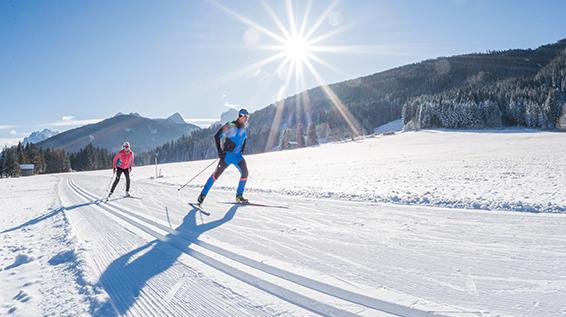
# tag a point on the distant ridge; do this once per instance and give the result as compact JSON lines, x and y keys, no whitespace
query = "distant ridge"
{"x":143,"y":133}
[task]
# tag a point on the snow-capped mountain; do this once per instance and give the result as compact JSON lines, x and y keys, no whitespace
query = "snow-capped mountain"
{"x":228,"y":115}
{"x":143,"y":133}
{"x":38,"y":136}
{"x":176,"y":118}
{"x":125,"y":114}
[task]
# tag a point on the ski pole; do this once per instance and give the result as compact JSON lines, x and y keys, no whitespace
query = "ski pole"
{"x":110,"y":184}
{"x":190,"y":180}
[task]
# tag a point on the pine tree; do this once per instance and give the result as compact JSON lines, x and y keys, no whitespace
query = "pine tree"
{"x":22,"y":159}
{"x":91,"y":158}
{"x":299,"y":136}
{"x":2,"y":158}
{"x":35,"y":157}
{"x":285,"y":140}
{"x":312,"y":138}
{"x":10,"y":164}
{"x":57,"y":161}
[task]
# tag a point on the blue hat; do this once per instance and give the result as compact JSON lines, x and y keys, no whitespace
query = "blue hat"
{"x":243,"y":112}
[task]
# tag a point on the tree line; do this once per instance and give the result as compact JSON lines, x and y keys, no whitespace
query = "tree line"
{"x":537,"y":101}
{"x":48,"y":161}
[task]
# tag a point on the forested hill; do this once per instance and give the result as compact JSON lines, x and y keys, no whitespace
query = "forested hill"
{"x":380,"y":98}
{"x":533,"y":101}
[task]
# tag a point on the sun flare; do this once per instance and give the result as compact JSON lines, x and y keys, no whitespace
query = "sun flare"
{"x":297,"y":49}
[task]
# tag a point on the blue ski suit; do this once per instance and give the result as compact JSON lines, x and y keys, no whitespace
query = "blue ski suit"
{"x":230,"y":152}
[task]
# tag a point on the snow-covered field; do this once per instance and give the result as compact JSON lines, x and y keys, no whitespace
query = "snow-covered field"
{"x":520,"y":170}
{"x":358,"y":228}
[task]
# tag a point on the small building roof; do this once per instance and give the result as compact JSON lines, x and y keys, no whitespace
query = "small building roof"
{"x":26,"y":166}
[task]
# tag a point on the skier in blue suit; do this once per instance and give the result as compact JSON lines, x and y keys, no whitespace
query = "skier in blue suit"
{"x":234,"y":134}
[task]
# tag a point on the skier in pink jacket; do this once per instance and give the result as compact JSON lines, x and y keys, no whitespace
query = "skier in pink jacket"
{"x":122,"y":163}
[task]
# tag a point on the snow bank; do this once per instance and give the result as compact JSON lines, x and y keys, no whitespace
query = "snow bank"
{"x":40,"y":270}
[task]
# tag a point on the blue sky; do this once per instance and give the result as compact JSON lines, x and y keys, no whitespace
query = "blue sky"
{"x":66,"y":63}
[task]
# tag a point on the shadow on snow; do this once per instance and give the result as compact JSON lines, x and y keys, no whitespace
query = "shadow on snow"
{"x":51,"y":213}
{"x":126,"y":276}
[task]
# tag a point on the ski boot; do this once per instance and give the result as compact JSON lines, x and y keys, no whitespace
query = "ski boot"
{"x":200,"y":199}
{"x":241,"y":200}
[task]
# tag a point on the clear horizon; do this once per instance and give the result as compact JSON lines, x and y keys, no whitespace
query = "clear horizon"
{"x":67,"y":63}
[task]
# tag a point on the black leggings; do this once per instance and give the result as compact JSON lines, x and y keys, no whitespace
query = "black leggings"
{"x":243,"y":167}
{"x":119,"y":172}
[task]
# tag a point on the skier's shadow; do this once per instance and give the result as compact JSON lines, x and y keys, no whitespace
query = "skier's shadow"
{"x":126,"y":276}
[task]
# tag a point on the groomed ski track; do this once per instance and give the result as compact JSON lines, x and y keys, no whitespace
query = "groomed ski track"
{"x":157,"y":256}
{"x":185,"y":242}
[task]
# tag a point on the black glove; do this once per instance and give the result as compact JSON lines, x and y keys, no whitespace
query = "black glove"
{"x":221,"y":155}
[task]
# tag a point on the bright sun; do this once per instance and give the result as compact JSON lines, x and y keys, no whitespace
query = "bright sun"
{"x":297,"y":49}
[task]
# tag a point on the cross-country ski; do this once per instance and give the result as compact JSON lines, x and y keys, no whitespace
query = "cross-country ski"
{"x":255,"y":205}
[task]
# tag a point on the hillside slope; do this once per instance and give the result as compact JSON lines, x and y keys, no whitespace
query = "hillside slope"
{"x":377,"y":99}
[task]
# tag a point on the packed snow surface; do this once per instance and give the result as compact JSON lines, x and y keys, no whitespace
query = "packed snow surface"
{"x":519,"y":170}
{"x":345,"y":229}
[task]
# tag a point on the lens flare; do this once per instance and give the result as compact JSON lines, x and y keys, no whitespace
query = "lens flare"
{"x":295,"y":47}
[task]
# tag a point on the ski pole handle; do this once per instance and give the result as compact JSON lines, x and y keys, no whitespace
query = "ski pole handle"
{"x":190,"y":180}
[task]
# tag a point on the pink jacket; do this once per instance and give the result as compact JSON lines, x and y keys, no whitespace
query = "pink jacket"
{"x":123,"y":160}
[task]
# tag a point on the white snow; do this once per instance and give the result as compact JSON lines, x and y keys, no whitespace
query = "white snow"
{"x":393,"y":126}
{"x":33,"y":230}
{"x":357,"y":228}
{"x":38,"y":136}
{"x":21,"y":258}
{"x":492,"y":170}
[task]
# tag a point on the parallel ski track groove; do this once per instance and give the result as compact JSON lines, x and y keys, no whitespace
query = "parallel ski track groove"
{"x":146,"y":303}
{"x":301,"y":251}
{"x":275,"y":290}
{"x":121,"y":279}
{"x":151,"y":306}
{"x":327,"y":289}
{"x":203,"y":299}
